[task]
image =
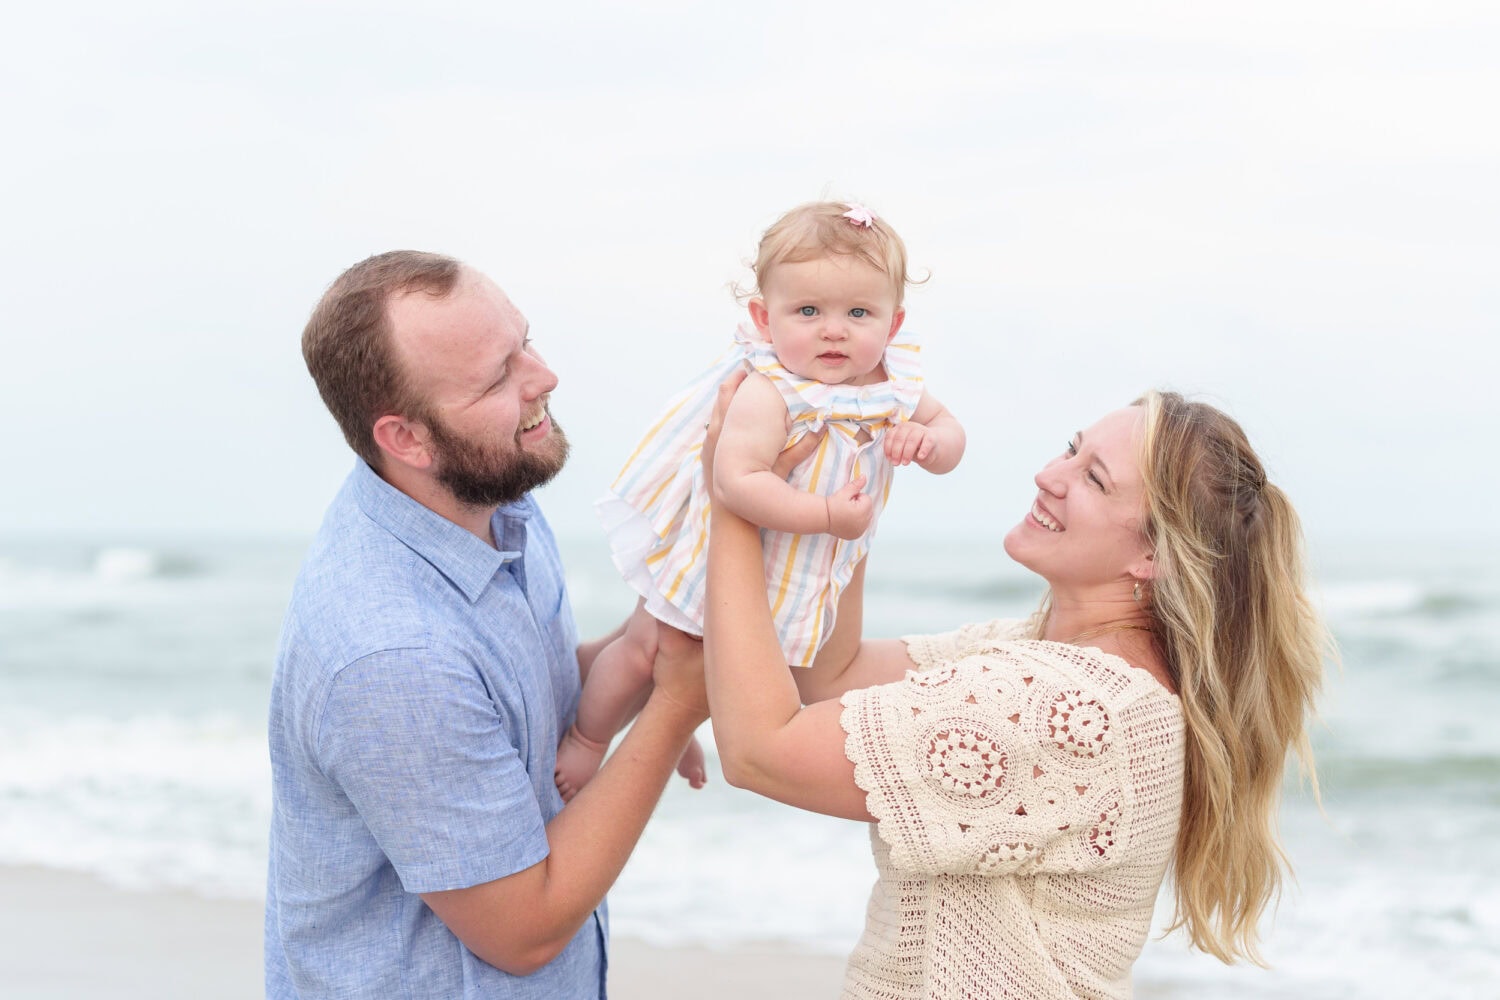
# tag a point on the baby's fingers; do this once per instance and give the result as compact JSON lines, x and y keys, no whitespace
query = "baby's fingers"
{"x":900,"y":446}
{"x":893,"y":445}
{"x":851,"y":489}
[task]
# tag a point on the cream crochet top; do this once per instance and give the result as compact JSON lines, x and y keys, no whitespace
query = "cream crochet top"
{"x":1027,"y":795}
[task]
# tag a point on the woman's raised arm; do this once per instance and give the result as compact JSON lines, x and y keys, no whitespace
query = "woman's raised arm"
{"x":768,"y":743}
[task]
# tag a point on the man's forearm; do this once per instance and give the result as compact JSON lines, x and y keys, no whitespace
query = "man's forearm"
{"x":588,"y":845}
{"x":592,"y":838}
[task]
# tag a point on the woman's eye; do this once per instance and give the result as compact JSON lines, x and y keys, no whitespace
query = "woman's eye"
{"x":858,"y":312}
{"x":1096,"y":481}
{"x":808,"y":311}
{"x":1070,"y":450}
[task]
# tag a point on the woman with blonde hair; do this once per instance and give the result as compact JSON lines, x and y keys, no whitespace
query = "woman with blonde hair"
{"x":1030,"y":783}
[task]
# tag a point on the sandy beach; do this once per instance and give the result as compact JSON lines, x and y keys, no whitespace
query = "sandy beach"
{"x":64,"y":935}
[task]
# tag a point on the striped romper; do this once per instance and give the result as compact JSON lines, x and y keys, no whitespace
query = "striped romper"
{"x":656,"y":512}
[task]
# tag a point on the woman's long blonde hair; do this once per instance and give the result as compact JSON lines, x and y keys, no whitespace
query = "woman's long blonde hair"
{"x":1246,"y":649}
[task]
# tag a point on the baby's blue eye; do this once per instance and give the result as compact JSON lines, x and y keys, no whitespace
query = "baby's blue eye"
{"x":858,"y":312}
{"x":808,"y":311}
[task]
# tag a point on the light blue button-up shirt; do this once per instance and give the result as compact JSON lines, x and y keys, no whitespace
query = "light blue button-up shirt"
{"x":422,"y":684}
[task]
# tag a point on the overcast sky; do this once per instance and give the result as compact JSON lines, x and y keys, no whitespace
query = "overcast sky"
{"x":1290,"y":208}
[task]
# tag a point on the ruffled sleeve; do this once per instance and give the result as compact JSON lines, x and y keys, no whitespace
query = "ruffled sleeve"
{"x":929,"y":651}
{"x":903,"y":370}
{"x":1003,"y":761}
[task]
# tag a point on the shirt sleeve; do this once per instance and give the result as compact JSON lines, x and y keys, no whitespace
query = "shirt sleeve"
{"x":930,"y":651}
{"x":998,"y":763}
{"x":415,"y":741}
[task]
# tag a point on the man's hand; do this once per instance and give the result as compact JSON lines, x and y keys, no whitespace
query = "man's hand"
{"x":678,"y":670}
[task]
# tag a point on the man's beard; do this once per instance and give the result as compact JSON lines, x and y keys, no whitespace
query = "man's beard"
{"x":484,"y":474}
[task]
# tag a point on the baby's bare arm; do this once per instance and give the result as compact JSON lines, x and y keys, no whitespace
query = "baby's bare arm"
{"x":942,"y":437}
{"x":745,"y":480}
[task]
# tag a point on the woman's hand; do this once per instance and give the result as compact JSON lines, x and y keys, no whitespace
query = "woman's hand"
{"x":715,"y":425}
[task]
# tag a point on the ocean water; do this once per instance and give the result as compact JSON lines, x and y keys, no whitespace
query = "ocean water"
{"x":133,"y":684}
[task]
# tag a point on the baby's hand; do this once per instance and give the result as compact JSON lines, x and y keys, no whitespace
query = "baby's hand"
{"x":849,"y":510}
{"x":910,"y":442}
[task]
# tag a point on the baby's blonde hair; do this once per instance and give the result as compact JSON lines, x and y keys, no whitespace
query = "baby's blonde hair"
{"x":821,"y":229}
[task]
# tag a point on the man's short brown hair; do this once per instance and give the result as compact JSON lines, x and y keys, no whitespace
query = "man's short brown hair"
{"x":347,"y":342}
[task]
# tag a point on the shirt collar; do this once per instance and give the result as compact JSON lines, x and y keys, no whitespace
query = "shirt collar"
{"x":466,"y":561}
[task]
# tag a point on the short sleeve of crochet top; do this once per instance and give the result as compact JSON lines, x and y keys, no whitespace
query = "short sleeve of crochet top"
{"x":1000,"y":755}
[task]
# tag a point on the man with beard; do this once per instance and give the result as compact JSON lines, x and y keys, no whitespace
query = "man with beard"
{"x":428,"y":666}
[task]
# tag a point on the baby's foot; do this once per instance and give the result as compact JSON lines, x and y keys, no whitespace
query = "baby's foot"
{"x":691,"y":765}
{"x":578,"y":757}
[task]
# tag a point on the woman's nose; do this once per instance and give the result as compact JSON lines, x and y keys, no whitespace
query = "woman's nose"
{"x":1050,"y":479}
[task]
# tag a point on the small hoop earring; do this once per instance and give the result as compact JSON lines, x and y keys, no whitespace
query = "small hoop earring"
{"x":1137,"y":592}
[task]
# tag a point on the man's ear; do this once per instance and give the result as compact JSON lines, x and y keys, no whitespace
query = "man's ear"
{"x":896,"y":322}
{"x":760,"y":316}
{"x":403,"y":440}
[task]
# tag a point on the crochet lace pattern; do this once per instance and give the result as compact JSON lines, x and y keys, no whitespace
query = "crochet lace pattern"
{"x":1027,"y":797}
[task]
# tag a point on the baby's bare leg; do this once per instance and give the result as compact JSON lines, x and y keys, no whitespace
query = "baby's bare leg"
{"x":616,"y":686}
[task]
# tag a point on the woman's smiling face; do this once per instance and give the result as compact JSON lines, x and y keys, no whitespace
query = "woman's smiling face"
{"x":1085,"y":528}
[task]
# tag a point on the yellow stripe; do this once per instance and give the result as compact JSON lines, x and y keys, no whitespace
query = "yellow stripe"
{"x":811,"y":648}
{"x":817,"y":469}
{"x":671,"y":592}
{"x":656,"y":429}
{"x":786,"y":573}
{"x":661,"y":487}
{"x":791,"y":556}
{"x":852,"y":416}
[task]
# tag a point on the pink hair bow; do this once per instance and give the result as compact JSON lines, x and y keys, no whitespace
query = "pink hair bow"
{"x":860,"y":216}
